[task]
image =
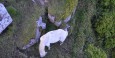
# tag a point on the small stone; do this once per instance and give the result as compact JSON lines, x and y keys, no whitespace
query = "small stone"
{"x":40,"y":23}
{"x":67,"y":19}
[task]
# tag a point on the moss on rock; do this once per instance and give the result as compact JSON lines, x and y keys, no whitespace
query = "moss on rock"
{"x":62,"y":9}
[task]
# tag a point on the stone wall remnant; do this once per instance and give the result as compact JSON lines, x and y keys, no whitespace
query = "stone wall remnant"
{"x":5,"y":18}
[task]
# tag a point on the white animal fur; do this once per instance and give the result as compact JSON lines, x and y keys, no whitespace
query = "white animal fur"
{"x":51,"y":37}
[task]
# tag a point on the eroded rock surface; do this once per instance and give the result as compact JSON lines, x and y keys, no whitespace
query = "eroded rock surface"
{"x":5,"y":18}
{"x":25,"y":28}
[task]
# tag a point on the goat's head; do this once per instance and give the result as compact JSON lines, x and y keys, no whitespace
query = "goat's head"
{"x":43,"y":54}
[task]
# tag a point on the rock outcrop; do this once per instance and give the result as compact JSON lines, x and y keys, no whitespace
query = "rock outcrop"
{"x":24,"y":27}
{"x":5,"y":18}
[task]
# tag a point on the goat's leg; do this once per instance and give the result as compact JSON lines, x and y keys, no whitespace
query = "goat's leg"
{"x":61,"y":42}
{"x":48,"y":45}
{"x":67,"y":27}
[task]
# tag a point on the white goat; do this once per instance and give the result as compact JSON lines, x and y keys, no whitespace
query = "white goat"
{"x":51,"y":37}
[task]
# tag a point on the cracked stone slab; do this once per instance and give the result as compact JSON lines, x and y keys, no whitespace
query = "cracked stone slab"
{"x":5,"y":18}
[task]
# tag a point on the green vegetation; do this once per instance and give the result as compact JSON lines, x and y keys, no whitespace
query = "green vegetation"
{"x":81,"y":27}
{"x":105,"y":25}
{"x":23,"y":28}
{"x":113,"y":52}
{"x":94,"y":52}
{"x":81,"y":38}
{"x":12,"y":11}
{"x":108,"y":3}
{"x":65,"y":10}
{"x":69,"y":8}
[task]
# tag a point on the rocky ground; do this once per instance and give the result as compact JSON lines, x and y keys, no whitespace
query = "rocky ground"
{"x":23,"y":28}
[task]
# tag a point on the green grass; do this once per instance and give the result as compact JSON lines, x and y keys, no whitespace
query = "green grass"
{"x":82,"y":27}
{"x":22,"y":28}
{"x":12,"y":11}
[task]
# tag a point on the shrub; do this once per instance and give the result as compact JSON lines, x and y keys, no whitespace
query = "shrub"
{"x":106,"y":24}
{"x":110,"y":43}
{"x":94,"y":52}
{"x":105,"y":27}
{"x":107,"y":3}
{"x":105,"y":6}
